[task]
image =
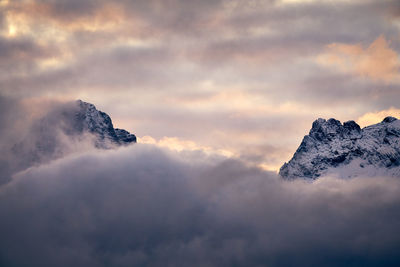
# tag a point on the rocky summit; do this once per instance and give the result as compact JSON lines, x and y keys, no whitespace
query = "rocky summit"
{"x":88,"y":118}
{"x":64,"y":129}
{"x":345,"y":150}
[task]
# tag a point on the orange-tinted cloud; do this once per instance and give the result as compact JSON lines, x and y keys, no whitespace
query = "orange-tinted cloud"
{"x":176,"y":144}
{"x":378,"y":61}
{"x":375,"y":117}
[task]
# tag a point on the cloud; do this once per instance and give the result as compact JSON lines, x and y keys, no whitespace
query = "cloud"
{"x":37,"y":131}
{"x":219,"y":77}
{"x":21,"y":55}
{"x":137,"y":18}
{"x":378,"y":61}
{"x":174,"y":143}
{"x":145,"y":206}
{"x":375,"y":117}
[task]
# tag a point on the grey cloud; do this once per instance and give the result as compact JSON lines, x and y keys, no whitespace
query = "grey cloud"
{"x":143,"y":206}
{"x":10,"y":113}
{"x":297,"y":31}
{"x":120,"y":67}
{"x":310,"y":17}
{"x":170,"y":120}
{"x":201,"y":17}
{"x":156,"y":16}
{"x":253,"y":53}
{"x":342,"y":89}
{"x":265,"y":153}
{"x":20,"y":55}
{"x":37,"y":132}
{"x":67,"y":9}
{"x":188,"y":17}
{"x":2,"y":20}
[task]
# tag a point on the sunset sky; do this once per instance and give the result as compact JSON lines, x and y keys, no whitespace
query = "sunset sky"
{"x":220,"y":94}
{"x":243,"y":79}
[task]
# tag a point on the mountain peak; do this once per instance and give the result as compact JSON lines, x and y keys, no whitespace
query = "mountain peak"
{"x":51,"y":136}
{"x":100,"y":124}
{"x":352,"y":126}
{"x":389,"y":119}
{"x":331,"y":145}
{"x":326,"y":130}
{"x":325,"y":126}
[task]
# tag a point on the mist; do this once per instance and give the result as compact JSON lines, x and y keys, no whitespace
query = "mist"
{"x":146,"y":206}
{"x":37,"y":131}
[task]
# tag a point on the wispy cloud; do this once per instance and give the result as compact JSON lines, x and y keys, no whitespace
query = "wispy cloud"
{"x":378,"y":61}
{"x":375,"y":117}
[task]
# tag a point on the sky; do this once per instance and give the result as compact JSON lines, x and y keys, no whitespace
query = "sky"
{"x":220,"y":94}
{"x":239,"y":78}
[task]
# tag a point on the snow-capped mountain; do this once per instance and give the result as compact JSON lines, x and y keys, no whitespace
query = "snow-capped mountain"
{"x":65,"y":129}
{"x":88,"y":118}
{"x":346,"y":150}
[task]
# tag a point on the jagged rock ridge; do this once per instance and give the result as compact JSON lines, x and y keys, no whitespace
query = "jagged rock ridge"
{"x":347,"y":150}
{"x":88,"y":118}
{"x":64,"y":129}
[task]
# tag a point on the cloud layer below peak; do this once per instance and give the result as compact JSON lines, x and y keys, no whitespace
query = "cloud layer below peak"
{"x":145,"y":206}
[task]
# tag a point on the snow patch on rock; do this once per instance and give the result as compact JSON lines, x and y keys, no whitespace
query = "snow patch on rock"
{"x":346,"y":150}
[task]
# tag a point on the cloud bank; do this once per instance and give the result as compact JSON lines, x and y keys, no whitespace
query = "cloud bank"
{"x":145,"y":206}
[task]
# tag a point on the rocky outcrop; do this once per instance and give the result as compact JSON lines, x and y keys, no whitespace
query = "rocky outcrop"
{"x":333,"y":147}
{"x":65,"y":129}
{"x":88,"y":118}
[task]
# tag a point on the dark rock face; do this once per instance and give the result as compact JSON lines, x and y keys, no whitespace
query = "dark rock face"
{"x":66,"y":128}
{"x":389,"y":119}
{"x":331,"y":145}
{"x":124,"y":136}
{"x":88,"y":118}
